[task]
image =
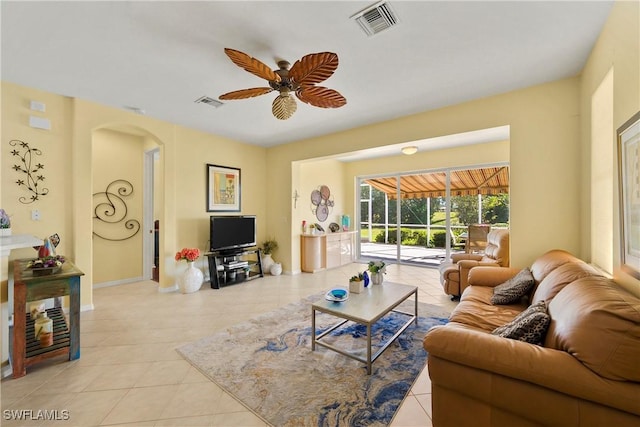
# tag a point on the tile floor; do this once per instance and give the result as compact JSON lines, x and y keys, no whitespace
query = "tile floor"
{"x":130,"y":375}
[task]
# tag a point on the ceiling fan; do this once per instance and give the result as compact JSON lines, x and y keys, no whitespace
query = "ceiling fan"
{"x":301,"y":79}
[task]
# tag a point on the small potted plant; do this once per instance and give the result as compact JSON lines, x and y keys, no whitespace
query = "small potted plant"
{"x":377,"y":270}
{"x":5,"y":223}
{"x":357,"y":283}
{"x":267,"y":248}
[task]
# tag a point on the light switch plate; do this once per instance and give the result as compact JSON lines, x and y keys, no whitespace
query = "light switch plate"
{"x":38,"y":106}
{"x":39,"y":123}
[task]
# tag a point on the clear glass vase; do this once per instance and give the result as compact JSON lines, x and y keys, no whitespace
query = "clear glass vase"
{"x":376,"y":278}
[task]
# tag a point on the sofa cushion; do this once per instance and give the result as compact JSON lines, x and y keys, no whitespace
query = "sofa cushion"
{"x":529,"y":326}
{"x":549,"y":261}
{"x":497,"y":250}
{"x":557,"y":279}
{"x":598,"y":322}
{"x":513,"y":289}
{"x":475,"y":309}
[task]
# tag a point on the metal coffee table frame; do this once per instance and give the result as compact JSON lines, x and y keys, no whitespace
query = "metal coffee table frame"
{"x":366,"y":308}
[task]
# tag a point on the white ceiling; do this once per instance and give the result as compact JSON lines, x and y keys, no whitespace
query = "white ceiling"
{"x":162,"y":56}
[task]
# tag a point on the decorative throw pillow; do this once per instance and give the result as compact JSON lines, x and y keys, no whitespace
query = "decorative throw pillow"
{"x":513,"y":289}
{"x":529,"y":326}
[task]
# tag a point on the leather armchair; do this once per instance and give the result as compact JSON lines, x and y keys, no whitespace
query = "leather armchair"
{"x":455,"y":273}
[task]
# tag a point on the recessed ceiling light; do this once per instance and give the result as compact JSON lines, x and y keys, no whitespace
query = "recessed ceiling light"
{"x":412,"y":149}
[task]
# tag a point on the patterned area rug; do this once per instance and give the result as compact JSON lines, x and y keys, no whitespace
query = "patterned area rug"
{"x":268,"y":365}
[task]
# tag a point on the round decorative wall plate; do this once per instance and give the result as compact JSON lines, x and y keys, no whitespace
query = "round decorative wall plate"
{"x":321,"y":202}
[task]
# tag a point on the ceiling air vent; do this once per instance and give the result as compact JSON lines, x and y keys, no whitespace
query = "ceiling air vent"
{"x":136,"y":110}
{"x":209,"y":101}
{"x":376,"y":18}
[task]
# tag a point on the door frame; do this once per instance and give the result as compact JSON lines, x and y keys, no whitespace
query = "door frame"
{"x":148,"y":210}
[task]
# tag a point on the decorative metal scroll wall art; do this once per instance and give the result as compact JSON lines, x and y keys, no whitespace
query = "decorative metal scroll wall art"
{"x":30,"y":175}
{"x":111,"y":208}
{"x":321,"y":202}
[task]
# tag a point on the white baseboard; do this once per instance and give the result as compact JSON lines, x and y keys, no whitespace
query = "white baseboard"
{"x":117,"y":282}
{"x":169,"y":289}
{"x":88,"y":307}
{"x":6,"y":369}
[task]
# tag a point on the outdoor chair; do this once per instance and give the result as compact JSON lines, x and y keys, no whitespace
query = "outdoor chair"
{"x":454,"y":273}
{"x":457,"y":242}
{"x":477,"y":238}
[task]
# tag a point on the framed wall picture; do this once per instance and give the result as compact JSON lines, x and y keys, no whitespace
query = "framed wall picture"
{"x":629,"y":188}
{"x":223,"y":189}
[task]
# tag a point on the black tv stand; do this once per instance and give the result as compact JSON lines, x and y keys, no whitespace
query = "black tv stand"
{"x":229,"y":267}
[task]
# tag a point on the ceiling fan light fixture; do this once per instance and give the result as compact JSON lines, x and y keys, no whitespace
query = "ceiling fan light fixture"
{"x":409,"y":150}
{"x":283,"y":106}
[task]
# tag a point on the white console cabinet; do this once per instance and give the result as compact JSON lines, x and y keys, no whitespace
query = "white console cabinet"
{"x":327,"y":250}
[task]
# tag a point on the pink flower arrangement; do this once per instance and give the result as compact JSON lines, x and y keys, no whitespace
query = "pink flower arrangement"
{"x":188,"y":254}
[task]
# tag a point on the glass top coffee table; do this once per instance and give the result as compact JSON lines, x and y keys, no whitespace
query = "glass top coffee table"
{"x":365,"y":308}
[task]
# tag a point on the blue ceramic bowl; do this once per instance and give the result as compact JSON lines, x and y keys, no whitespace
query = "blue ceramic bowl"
{"x":337,"y":294}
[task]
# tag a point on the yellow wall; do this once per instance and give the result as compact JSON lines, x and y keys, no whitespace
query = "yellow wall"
{"x":313,"y":175}
{"x":473,"y":155}
{"x":549,"y":157}
{"x":117,"y":156}
{"x":55,"y":155}
{"x":341,"y":179}
{"x":544,"y":157}
{"x":307,"y":176}
{"x":617,"y":51}
{"x":67,"y":156}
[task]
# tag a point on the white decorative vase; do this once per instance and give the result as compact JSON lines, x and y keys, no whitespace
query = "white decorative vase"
{"x":276,"y":269}
{"x":192,"y":279}
{"x":356,"y":286}
{"x":267,"y":262}
{"x":5,"y":232}
{"x":376,"y":278}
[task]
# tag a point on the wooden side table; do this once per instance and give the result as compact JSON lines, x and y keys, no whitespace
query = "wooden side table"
{"x":66,"y":338}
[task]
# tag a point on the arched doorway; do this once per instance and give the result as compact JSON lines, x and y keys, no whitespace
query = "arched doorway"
{"x":124,"y":159}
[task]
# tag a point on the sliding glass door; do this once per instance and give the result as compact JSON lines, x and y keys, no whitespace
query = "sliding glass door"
{"x":421,"y":218}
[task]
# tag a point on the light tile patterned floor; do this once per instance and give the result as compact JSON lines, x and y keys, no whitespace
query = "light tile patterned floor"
{"x":130,"y":375}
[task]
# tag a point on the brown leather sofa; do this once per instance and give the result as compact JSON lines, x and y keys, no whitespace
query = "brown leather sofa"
{"x":453,"y":274}
{"x":586,"y":372}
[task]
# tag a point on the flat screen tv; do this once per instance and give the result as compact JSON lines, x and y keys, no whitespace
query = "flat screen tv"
{"x":228,"y":233}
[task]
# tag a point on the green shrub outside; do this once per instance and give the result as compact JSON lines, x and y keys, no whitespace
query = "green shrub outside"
{"x":411,"y":237}
{"x":438,"y":239}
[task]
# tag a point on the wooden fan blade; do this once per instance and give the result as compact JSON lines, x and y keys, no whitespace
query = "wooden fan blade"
{"x":314,"y":68}
{"x":246,"y":93}
{"x":251,"y":65}
{"x":322,"y":97}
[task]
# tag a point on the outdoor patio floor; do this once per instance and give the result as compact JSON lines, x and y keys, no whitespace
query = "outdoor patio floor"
{"x":414,"y":255}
